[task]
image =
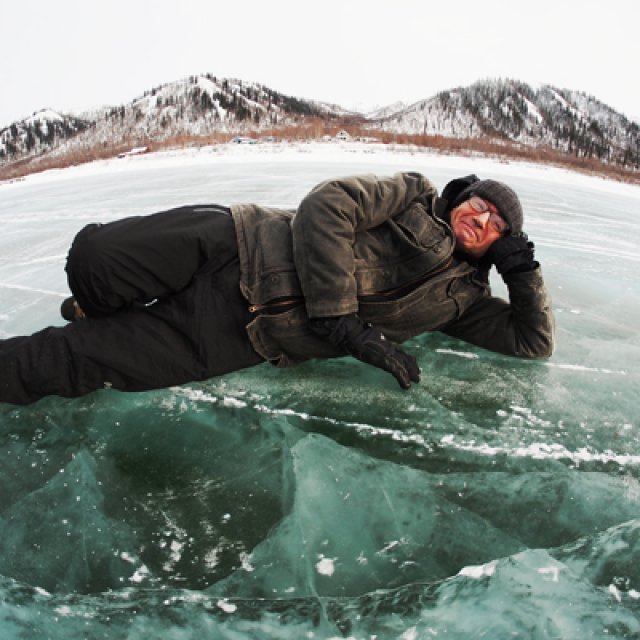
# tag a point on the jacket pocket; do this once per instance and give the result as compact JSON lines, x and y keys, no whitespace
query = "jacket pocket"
{"x":285,"y":339}
{"x":419,"y":227}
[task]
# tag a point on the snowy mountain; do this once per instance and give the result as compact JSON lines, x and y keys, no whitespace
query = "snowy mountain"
{"x":379,"y":113}
{"x":508,"y":110}
{"x":194,"y":107}
{"x":203,"y":104}
{"x":41,"y":132}
{"x":205,"y":108}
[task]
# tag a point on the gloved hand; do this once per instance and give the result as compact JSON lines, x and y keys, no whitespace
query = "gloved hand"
{"x":368,"y":344}
{"x":512,"y":254}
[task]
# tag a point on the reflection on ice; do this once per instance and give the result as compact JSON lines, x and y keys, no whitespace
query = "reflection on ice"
{"x":498,"y":498}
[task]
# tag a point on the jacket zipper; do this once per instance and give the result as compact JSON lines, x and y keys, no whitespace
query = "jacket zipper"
{"x":277,"y":305}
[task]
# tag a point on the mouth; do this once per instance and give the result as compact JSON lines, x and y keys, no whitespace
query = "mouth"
{"x":469,"y":231}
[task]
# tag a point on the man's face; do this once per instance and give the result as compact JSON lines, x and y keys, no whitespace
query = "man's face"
{"x":476,"y":225}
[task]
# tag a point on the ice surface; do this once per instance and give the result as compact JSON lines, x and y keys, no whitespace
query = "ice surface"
{"x":498,"y":498}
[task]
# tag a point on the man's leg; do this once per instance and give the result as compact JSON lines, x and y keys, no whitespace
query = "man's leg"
{"x":136,"y":260}
{"x":194,"y":335}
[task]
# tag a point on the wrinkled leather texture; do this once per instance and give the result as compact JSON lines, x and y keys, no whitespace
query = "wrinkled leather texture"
{"x":356,"y":237}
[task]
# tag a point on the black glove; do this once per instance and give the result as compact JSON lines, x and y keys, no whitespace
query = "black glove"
{"x":512,"y":254}
{"x":366,"y":343}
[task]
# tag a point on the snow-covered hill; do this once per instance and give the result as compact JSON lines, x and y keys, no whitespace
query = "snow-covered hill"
{"x":567,"y":120}
{"x":39,"y":133}
{"x":204,"y":106}
{"x":199,"y":105}
{"x":194,"y":106}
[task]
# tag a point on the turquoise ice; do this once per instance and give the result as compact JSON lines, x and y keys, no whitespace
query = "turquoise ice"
{"x":498,"y":498}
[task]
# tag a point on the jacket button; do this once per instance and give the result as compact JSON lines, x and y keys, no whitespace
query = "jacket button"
{"x":275,"y":279}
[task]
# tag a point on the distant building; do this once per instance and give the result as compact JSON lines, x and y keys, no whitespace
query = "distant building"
{"x":343,"y":136}
{"x":243,"y":140}
{"x":136,"y":151}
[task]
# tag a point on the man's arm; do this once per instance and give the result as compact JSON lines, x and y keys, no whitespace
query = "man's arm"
{"x":523,"y":327}
{"x":324,"y":232}
{"x":325,"y":226}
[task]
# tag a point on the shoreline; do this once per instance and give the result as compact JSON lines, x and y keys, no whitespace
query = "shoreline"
{"x":365,"y":153}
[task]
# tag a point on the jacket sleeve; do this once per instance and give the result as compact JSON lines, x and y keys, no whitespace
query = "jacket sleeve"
{"x":523,"y":327}
{"x":324,"y":231}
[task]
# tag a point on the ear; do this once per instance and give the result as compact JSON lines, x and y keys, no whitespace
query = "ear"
{"x":457,"y":186}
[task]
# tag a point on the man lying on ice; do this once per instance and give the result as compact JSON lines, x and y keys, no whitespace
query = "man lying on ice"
{"x":363,"y":264}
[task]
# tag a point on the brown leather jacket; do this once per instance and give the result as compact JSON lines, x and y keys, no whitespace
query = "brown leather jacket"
{"x":375,"y":246}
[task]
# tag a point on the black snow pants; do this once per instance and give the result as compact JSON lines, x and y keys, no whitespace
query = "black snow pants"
{"x":164,"y":307}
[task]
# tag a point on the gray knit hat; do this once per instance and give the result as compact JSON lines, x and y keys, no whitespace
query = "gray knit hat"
{"x":498,"y":194}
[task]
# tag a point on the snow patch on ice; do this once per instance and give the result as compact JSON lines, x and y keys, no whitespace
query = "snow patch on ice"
{"x":141,"y":573}
{"x":479,"y":571}
{"x":579,"y":367}
{"x":410,"y":634}
{"x":226,"y":606}
{"x":615,"y":592}
{"x":245,"y":562}
{"x":389,"y":546}
{"x":211,"y":558}
{"x":326,"y":566}
{"x":553,"y":572}
{"x":233,"y":402}
{"x":542,"y":451}
{"x":461,"y":354}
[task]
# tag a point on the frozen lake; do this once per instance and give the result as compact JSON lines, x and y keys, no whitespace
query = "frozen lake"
{"x":498,"y":498}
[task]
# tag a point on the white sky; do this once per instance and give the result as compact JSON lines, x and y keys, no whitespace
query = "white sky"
{"x":71,"y":55}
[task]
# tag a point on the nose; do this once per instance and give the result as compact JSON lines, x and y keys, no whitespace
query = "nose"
{"x":482,"y":219}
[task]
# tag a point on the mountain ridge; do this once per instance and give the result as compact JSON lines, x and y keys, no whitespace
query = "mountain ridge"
{"x":208,"y":108}
{"x":563,"y":119}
